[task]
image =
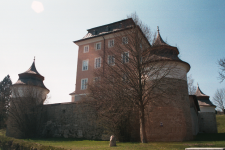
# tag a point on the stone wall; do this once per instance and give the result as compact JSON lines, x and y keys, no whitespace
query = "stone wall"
{"x":207,"y":122}
{"x":71,"y":120}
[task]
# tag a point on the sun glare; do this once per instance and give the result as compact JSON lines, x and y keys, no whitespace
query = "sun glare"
{"x":37,"y":6}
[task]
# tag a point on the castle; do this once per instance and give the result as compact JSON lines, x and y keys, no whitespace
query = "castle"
{"x":177,"y":118}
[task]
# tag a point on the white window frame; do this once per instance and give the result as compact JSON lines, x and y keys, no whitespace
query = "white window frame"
{"x":83,"y":65}
{"x":86,"y":46}
{"x":109,"y":43}
{"x":125,"y":60}
{"x":97,"y":47}
{"x":97,"y":65}
{"x":84,"y":87}
{"x":112,"y":60}
{"x":124,"y":40}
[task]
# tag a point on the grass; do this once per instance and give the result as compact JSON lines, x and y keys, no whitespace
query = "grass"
{"x":201,"y":140}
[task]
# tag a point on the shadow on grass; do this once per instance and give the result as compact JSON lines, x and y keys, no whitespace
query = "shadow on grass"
{"x":210,"y":137}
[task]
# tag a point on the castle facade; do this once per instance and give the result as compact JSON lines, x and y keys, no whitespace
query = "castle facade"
{"x":173,"y":116}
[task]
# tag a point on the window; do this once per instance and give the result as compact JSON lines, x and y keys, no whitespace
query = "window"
{"x":125,"y":57}
{"x":86,"y":48}
{"x":96,"y":79}
{"x":111,"y":43}
{"x":111,"y":59}
{"x":98,"y":46}
{"x":125,"y":40}
{"x":124,"y":78}
{"x":84,"y":83}
{"x":85,"y":65}
{"x":98,"y":62}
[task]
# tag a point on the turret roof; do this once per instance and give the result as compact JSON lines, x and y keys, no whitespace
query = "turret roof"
{"x":199,"y":93}
{"x":32,"y":69}
{"x":203,"y":99}
{"x":31,"y":77}
{"x":159,"y":41}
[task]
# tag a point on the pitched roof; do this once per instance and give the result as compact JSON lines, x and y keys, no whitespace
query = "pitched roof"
{"x":202,"y":102}
{"x":159,"y":41}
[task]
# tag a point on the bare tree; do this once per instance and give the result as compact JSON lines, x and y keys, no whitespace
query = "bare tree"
{"x":131,"y":76}
{"x":219,"y":99}
{"x":221,"y":63}
{"x":26,"y":113}
{"x":191,"y":88}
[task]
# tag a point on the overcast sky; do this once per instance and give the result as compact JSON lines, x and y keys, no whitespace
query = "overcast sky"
{"x":46,"y":28}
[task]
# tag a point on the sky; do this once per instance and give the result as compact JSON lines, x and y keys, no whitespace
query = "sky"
{"x":46,"y":29}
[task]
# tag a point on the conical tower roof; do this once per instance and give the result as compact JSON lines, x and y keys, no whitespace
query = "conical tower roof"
{"x":31,"y":77}
{"x":159,"y":41}
{"x":32,"y":70}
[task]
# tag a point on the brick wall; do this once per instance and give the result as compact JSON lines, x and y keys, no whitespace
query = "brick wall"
{"x":169,"y":117}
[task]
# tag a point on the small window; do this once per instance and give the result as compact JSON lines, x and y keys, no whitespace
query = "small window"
{"x":85,"y":65}
{"x":96,"y":79}
{"x":111,"y":59}
{"x":84,"y":83}
{"x":124,"y":78}
{"x":86,"y":48}
{"x":125,"y":57}
{"x":98,"y":62}
{"x":125,"y":40}
{"x":98,"y":46}
{"x":111,"y":43}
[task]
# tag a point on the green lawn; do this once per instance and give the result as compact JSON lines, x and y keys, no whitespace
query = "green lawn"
{"x":201,"y":140}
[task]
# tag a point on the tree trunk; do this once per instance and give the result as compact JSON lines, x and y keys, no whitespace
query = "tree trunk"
{"x":142,"y":125}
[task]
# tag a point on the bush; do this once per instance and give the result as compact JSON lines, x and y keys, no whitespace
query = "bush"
{"x":8,"y":143}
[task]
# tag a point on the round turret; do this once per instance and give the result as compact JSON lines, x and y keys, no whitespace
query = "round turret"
{"x":169,"y":117}
{"x":30,"y":81}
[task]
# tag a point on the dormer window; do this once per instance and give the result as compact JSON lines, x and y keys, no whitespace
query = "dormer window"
{"x":93,"y":32}
{"x":120,"y":25}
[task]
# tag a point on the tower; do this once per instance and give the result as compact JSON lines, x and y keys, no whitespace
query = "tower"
{"x":97,"y":40}
{"x":28,"y":95}
{"x":206,"y":116}
{"x":30,"y":78}
{"x":169,"y":116}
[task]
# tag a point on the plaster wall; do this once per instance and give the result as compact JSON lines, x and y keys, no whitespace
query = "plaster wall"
{"x":194,"y":119}
{"x":207,"y":122}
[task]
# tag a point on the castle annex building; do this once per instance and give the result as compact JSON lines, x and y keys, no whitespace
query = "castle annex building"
{"x":172,"y":117}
